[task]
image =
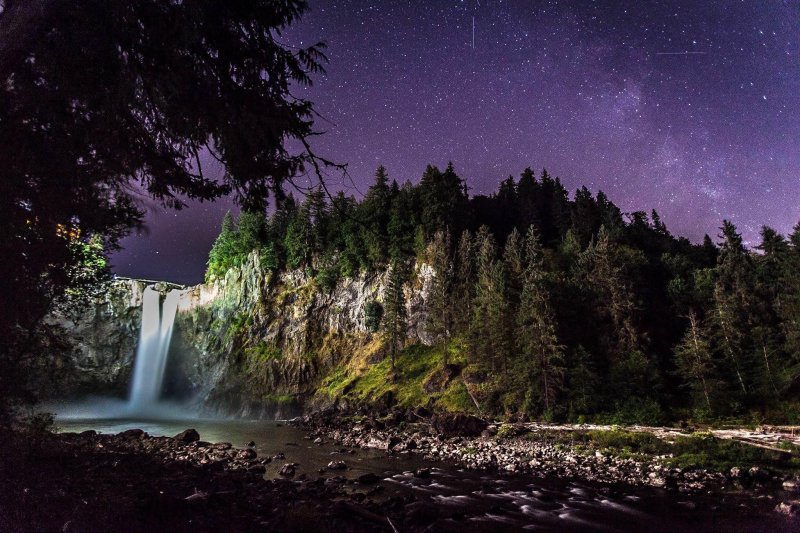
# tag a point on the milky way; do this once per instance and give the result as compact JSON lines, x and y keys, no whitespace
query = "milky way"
{"x":691,"y":108}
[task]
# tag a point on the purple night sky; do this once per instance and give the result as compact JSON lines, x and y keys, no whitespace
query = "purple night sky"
{"x":688,"y":107}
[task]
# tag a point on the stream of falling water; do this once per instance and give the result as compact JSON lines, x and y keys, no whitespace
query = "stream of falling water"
{"x":151,"y":356}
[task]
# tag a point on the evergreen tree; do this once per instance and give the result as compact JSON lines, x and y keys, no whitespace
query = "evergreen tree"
{"x":299,"y":238}
{"x":440,"y":309}
{"x":789,"y":309}
{"x":489,"y":327}
{"x":540,"y":354}
{"x":694,"y":360}
{"x":401,"y":227}
{"x":582,"y":381}
{"x":528,"y":193}
{"x":443,"y":200}
{"x":375,"y":210}
{"x":604,"y":271}
{"x":394,"y":309}
{"x":464,"y":285}
{"x":732,"y":292}
{"x":252,"y":226}
{"x":220,"y":258}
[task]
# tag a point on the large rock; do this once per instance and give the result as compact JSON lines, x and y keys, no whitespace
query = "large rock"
{"x":188,"y":435}
{"x":459,"y":424}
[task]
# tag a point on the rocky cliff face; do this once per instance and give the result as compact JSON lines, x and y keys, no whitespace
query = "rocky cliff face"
{"x":245,"y":345}
{"x":255,"y":346}
{"x":103,"y":338}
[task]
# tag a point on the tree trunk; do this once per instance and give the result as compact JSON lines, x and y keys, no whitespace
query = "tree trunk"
{"x":769,"y":370}
{"x":729,"y":350}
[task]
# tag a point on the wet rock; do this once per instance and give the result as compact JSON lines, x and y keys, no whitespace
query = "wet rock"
{"x":337,"y":465}
{"x":287,"y":470}
{"x":368,"y":479}
{"x":131,"y":434}
{"x":318,"y":440}
{"x":423,"y":473}
{"x":247,"y":453}
{"x":758,"y":474}
{"x":251,"y":444}
{"x":187,"y":435}
{"x":222,"y":446}
{"x":788,"y":508}
{"x":394,"y":440}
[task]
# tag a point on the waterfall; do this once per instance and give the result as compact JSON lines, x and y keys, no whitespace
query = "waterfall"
{"x":151,"y":355}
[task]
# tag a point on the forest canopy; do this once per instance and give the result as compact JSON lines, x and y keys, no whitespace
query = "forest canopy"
{"x":564,"y":307}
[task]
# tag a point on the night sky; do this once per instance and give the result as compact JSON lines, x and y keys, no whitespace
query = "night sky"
{"x":691,"y":108}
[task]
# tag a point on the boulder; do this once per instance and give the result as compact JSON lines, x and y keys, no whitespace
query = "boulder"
{"x":337,"y":465}
{"x":132,"y":434}
{"x":188,"y":435}
{"x":788,"y":508}
{"x":287,"y":470}
{"x":423,"y":473}
{"x":459,"y":424}
{"x":394,"y":440}
{"x":368,"y":479}
{"x":247,"y":453}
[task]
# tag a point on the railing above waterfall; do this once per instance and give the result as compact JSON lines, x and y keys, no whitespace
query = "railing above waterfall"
{"x":166,"y":284}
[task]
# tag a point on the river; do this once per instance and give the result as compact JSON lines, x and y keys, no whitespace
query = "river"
{"x":479,"y":501}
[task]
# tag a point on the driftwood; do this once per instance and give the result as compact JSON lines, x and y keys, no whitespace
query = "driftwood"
{"x":767,"y":437}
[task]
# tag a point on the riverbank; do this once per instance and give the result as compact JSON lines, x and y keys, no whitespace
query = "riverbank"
{"x":355,"y":473}
{"x":677,"y":460}
{"x":132,"y":481}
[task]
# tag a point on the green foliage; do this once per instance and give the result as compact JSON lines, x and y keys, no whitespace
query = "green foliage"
{"x":562,"y":308}
{"x":394,"y":305}
{"x":373,"y":314}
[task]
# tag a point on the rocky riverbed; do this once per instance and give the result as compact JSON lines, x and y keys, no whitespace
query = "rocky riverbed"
{"x":132,"y":481}
{"x":516,"y":449}
{"x":330,"y":477}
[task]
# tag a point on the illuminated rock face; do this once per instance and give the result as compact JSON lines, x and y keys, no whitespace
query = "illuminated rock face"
{"x":300,"y":330}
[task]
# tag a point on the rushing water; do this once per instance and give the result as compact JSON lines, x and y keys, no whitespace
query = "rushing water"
{"x":480,"y":501}
{"x":151,"y":355}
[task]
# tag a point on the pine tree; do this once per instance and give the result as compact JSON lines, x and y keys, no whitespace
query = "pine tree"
{"x":732,"y":292}
{"x":252,"y":231}
{"x":298,"y":241}
{"x":375,"y":210}
{"x":489,"y":327}
{"x":514,"y":261}
{"x":440,"y":309}
{"x":693,"y":357}
{"x":541,"y":357}
{"x":582,"y":381}
{"x":604,"y":271}
{"x":223,"y":250}
{"x":790,"y":304}
{"x":394,"y":308}
{"x":464,"y":283}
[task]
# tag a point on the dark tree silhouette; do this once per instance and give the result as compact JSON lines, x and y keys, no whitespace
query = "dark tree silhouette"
{"x":106,"y":102}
